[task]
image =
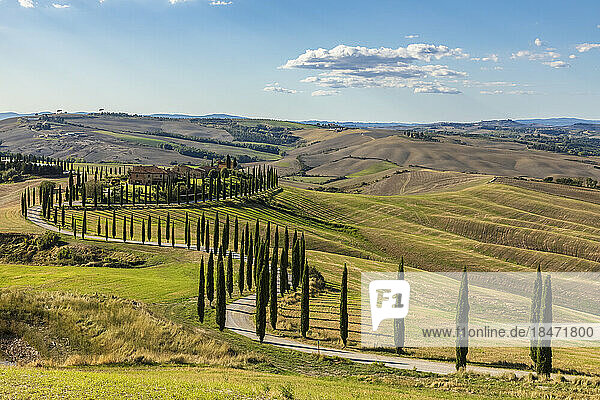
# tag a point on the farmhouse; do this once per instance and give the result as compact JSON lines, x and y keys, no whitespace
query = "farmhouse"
{"x":183,"y":171}
{"x":145,"y":174}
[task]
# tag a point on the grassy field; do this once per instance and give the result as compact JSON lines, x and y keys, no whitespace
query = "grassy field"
{"x":169,"y":382}
{"x":487,"y":227}
{"x":440,"y":231}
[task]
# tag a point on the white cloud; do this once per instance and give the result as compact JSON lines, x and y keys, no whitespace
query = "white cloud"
{"x":362,"y":67}
{"x":276,"y":88}
{"x":61,"y":6}
{"x":413,"y":36}
{"x":438,"y":89}
{"x":492,"y":92}
{"x":535,"y":56}
{"x":582,"y":48}
{"x":572,"y":56}
{"x":322,"y":93}
{"x":557,"y":64}
{"x":342,"y":56}
{"x":510,"y":92}
{"x":220,"y":3}
{"x":26,"y":3}
{"x":491,"y":57}
{"x":538,"y":42}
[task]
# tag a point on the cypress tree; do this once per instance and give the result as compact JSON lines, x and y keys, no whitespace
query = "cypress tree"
{"x":241,"y":269}
{"x":201,"y":291}
{"x":62,"y":216}
{"x":399,"y":322}
{"x":235,"y":235}
{"x":198,"y":239}
{"x":114,"y":224}
{"x":98,"y":228}
{"x":207,"y":237}
{"x":159,"y":233}
{"x":262,"y":294}
{"x":544,"y":364}
{"x":296,"y":265}
{"x":210,"y":279}
{"x":304,"y":304}
{"x":149,"y":226}
{"x":168,"y":226}
{"x":344,"y":306}
{"x":173,"y":234}
{"x":230,"y":274}
{"x":84,"y":224}
{"x":106,"y":229}
{"x":216,"y":232}
{"x":188,"y":233}
{"x":221,"y":304}
{"x":131,"y":226}
{"x":302,"y":253}
{"x":202,"y":225}
{"x":273,"y":286}
{"x":124,"y":228}
{"x":283,"y":265}
{"x":74,"y":225}
{"x":247,"y":236}
{"x":462,"y":323}
{"x":249,"y":273}
{"x":143,"y":231}
{"x":256,"y":238}
{"x":534,"y":318}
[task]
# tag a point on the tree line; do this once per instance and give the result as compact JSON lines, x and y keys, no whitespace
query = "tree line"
{"x":97,"y":191}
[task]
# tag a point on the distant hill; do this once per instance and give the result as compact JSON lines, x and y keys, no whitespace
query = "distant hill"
{"x":8,"y":115}
{"x":185,"y":116}
{"x":557,"y":121}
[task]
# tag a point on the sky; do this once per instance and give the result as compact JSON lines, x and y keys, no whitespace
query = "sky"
{"x":401,"y":61}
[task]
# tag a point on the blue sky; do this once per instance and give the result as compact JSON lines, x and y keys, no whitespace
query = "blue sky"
{"x":411,"y":61}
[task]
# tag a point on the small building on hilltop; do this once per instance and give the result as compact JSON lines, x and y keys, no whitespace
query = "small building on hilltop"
{"x":148,"y":175}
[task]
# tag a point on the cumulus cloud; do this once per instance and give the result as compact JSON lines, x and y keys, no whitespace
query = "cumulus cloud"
{"x":26,"y":3}
{"x":276,"y":88}
{"x":342,"y":56}
{"x":572,"y":56}
{"x":413,"y":36}
{"x":557,"y":64}
{"x":362,"y":67}
{"x":584,"y":47}
{"x":61,"y":6}
{"x":538,"y":42}
{"x":322,"y":93}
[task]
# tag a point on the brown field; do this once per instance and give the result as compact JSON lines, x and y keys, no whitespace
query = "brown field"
{"x":475,"y":156}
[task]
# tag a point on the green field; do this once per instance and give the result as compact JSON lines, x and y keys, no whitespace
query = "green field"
{"x":441,"y":231}
{"x":373,"y":169}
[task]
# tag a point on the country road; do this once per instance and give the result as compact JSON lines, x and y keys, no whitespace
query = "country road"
{"x":240,"y":319}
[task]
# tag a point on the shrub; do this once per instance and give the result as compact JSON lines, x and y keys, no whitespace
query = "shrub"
{"x":47,"y":241}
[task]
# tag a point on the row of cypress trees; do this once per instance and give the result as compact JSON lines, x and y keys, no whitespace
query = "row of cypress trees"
{"x":540,"y":350}
{"x":213,"y":186}
{"x":256,"y":269}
